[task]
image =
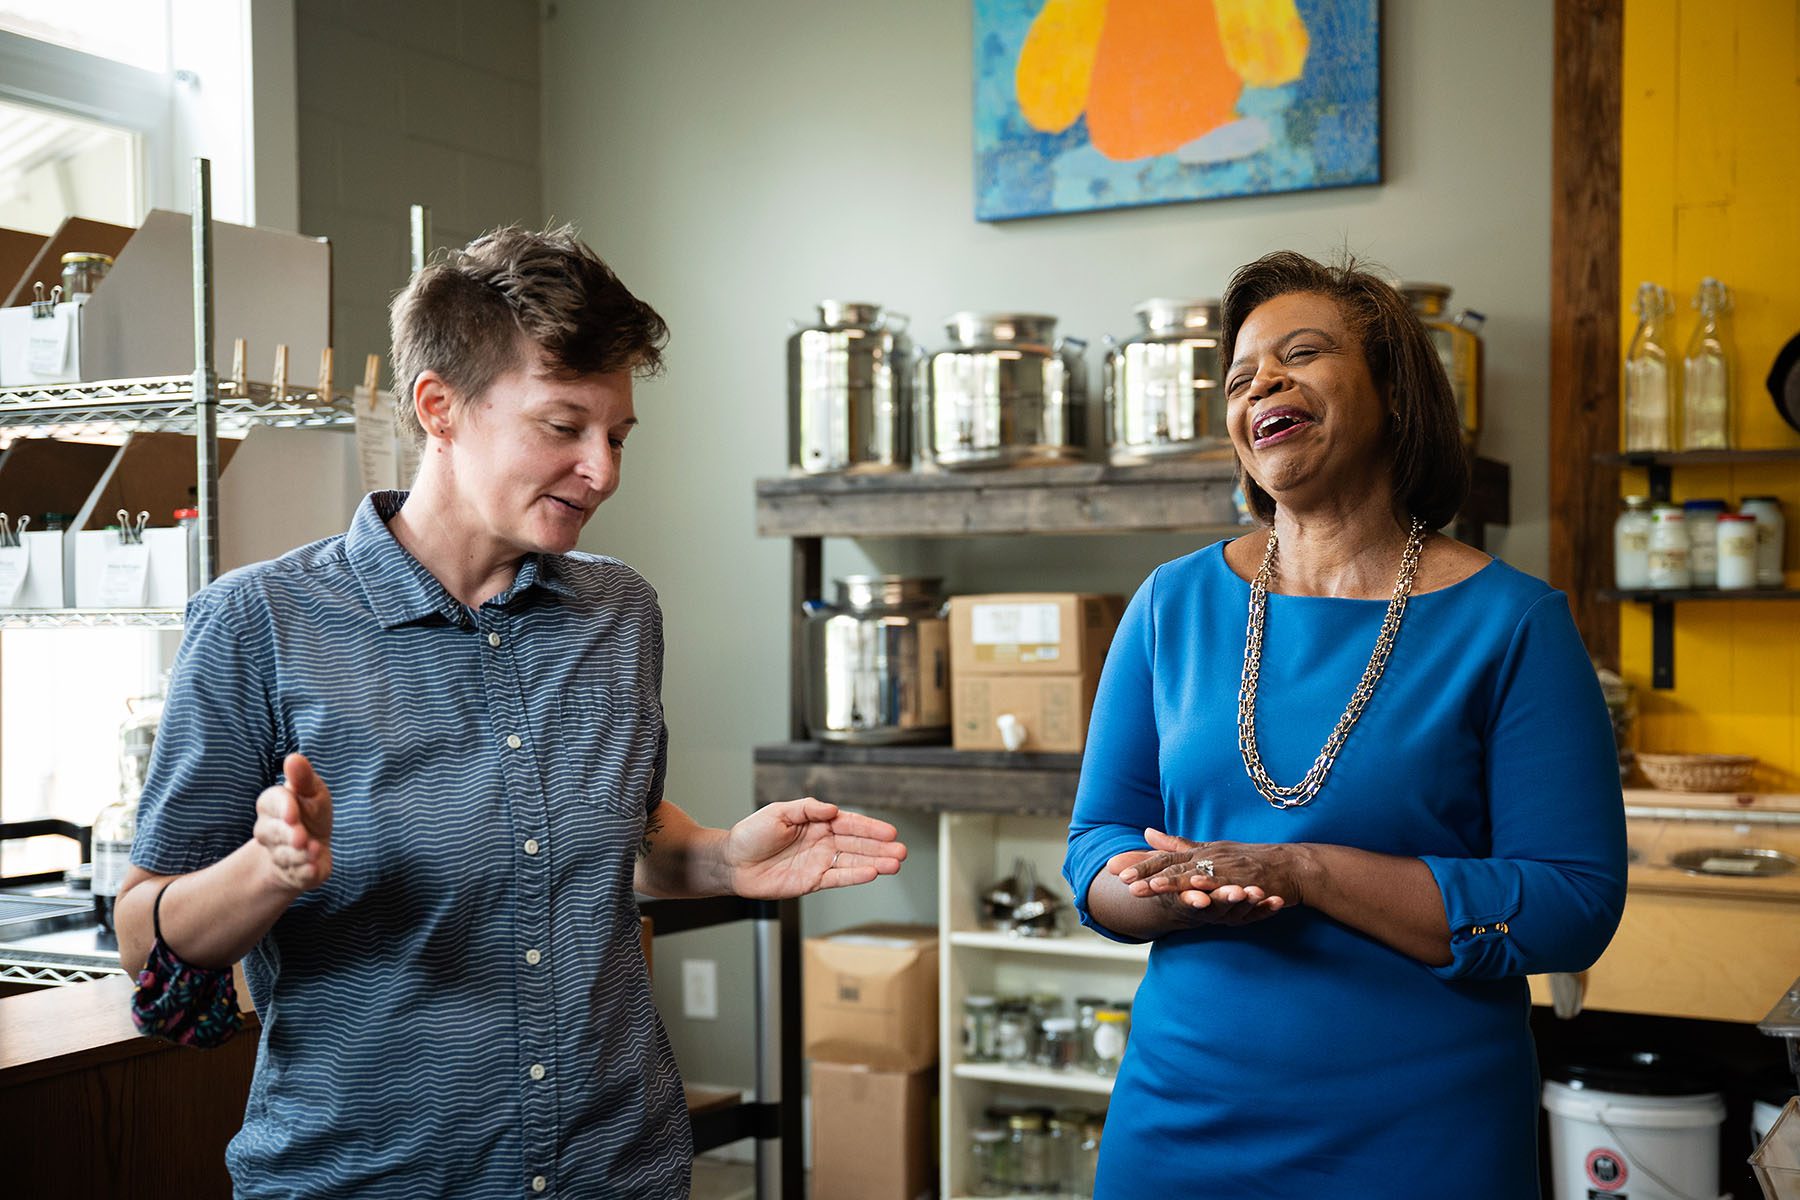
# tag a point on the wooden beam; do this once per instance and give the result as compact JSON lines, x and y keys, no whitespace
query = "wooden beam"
{"x":1584,"y":312}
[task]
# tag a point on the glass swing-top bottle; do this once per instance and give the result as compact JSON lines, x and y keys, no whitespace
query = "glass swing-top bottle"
{"x":1708,"y":372}
{"x":1649,"y":380}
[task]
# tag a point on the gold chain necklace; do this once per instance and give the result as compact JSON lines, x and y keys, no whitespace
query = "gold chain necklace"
{"x":1304,"y":791}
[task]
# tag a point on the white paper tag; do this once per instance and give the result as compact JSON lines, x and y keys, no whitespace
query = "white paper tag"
{"x":124,"y":576}
{"x":1016,"y":624}
{"x":48,"y":348}
{"x":375,"y":440}
{"x":15,"y":561}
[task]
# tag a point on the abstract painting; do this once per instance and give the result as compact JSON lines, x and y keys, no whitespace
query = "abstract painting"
{"x":1090,"y":104}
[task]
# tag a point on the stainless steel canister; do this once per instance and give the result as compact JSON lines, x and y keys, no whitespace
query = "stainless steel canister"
{"x":1005,"y":392}
{"x":1162,"y":385}
{"x":850,"y":391}
{"x":1458,"y":343}
{"x":878,"y":662}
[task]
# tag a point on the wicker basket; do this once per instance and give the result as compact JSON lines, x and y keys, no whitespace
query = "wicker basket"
{"x":1697,"y":772}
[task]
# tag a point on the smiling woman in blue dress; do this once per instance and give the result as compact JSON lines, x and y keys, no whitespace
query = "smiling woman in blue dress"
{"x":1354,"y":780}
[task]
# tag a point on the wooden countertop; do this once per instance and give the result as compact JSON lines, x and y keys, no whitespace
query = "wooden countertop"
{"x":62,"y":1029}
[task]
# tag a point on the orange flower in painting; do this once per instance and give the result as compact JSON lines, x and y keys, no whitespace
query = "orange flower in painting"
{"x":1153,"y":75}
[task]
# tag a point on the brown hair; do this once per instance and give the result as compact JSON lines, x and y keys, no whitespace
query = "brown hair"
{"x":1431,"y":467}
{"x":466,"y":316}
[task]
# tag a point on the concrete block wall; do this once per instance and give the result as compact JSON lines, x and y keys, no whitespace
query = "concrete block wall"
{"x":406,"y":102}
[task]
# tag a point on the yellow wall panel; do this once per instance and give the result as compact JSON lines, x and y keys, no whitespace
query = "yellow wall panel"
{"x":1711,"y":186}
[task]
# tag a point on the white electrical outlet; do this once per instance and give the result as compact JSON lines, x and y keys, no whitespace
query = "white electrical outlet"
{"x":700,"y":989}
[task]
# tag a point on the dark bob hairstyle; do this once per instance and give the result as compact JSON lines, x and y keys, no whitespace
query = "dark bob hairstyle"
{"x":1431,"y":467}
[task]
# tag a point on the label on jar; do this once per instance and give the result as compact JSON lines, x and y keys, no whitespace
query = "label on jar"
{"x":1634,"y":541}
{"x":1109,"y":1042}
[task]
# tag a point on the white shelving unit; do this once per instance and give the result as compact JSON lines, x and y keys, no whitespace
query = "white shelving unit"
{"x":975,"y":850}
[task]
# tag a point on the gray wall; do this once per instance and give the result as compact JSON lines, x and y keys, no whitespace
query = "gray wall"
{"x":737,"y":162}
{"x":407,"y":102}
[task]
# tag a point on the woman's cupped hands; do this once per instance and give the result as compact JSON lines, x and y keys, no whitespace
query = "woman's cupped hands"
{"x":1212,"y":883}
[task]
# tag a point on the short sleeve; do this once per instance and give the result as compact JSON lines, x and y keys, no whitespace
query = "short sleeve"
{"x":217,"y":746}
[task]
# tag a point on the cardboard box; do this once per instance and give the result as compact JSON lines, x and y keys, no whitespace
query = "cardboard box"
{"x":871,"y":997}
{"x":1032,"y":633}
{"x":1052,"y":711}
{"x":871,"y":1133}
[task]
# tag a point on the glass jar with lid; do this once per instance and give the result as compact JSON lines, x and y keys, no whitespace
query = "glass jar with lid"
{"x":82,"y":271}
{"x":1013,"y":1032}
{"x":1057,"y":1048}
{"x":1112,"y":1026}
{"x":1029,"y":1145}
{"x":1702,"y":518}
{"x":1737,"y":551}
{"x":1631,"y":545}
{"x":1771,"y":537}
{"x":1669,"y":565}
{"x":990,"y":1163}
{"x":980,"y":1014}
{"x":1084,"y":1162}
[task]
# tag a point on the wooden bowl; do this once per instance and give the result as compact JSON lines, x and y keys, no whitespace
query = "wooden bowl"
{"x":1697,"y":772}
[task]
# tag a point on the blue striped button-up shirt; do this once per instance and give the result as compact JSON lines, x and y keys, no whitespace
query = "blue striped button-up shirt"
{"x":463,"y":1008}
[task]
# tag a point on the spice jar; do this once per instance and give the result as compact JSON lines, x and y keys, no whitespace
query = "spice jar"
{"x":1030,"y":1150}
{"x":1669,"y":567}
{"x":1085,"y":1008}
{"x":1084,"y":1162}
{"x":1702,"y":517}
{"x":1631,"y":545}
{"x":1062,"y":1133}
{"x":1737,"y":551}
{"x":1771,"y":534}
{"x":82,"y":271}
{"x":1112,"y":1025}
{"x":990,"y":1164}
{"x":1057,"y":1047}
{"x":1013,"y":1032}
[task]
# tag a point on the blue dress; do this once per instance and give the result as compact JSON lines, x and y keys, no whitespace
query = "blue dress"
{"x":1297,"y":1056}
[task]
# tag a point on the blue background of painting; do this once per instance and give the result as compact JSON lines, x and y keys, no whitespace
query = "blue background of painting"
{"x":1326,"y":126}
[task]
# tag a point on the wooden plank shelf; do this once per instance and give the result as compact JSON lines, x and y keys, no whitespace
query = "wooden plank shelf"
{"x":1192,"y":494}
{"x":1077,"y":498}
{"x":1669,"y":595}
{"x":1698,"y":458}
{"x":921,"y":779}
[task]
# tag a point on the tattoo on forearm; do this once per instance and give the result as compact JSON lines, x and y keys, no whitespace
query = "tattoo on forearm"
{"x":652,"y":826}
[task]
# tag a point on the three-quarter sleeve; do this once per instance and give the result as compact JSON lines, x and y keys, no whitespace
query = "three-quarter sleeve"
{"x":1550,"y":894}
{"x":216,"y":748}
{"x":1120,"y":794}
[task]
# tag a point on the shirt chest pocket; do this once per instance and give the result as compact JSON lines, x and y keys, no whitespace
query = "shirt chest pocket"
{"x":612,"y":750}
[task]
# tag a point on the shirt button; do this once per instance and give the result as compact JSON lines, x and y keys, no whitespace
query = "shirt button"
{"x":494,"y":640}
{"x":513,"y":741}
{"x":539,"y":1183}
{"x":532,"y":957}
{"x":537,"y":1070}
{"x":531,"y":846}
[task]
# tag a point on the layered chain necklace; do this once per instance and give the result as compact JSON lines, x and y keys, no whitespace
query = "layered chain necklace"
{"x":1303,"y":792}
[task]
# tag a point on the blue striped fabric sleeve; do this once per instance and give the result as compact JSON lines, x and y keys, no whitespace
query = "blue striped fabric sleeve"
{"x":217,"y":746}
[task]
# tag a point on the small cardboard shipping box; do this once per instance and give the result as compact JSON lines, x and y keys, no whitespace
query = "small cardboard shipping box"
{"x":1051,"y":712}
{"x":1027,"y":664}
{"x":871,"y":1133}
{"x":1032,"y":633}
{"x":871,"y":997}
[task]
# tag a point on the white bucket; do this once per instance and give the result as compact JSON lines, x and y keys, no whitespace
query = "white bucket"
{"x":1763,"y":1115}
{"x":1636,"y":1147}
